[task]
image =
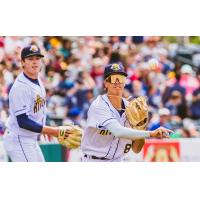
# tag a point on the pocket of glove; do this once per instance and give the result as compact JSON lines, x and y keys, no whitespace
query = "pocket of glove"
{"x":137,"y":113}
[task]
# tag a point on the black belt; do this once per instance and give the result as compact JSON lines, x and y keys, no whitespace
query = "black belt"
{"x":96,"y":158}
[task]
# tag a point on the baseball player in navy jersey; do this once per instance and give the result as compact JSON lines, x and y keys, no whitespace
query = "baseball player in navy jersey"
{"x":105,"y":137}
{"x":27,"y":106}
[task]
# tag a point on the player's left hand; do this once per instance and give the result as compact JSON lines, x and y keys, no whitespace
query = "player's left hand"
{"x":70,"y":136}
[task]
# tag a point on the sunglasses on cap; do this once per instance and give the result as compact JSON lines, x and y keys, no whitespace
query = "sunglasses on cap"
{"x":116,"y":78}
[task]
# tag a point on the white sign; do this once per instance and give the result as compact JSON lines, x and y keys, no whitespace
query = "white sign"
{"x":190,"y":150}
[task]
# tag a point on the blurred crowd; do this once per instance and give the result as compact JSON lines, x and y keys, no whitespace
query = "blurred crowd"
{"x":73,"y":76}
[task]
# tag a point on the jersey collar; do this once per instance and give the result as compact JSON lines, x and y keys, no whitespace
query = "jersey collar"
{"x":106,"y":99}
{"x":25,"y":80}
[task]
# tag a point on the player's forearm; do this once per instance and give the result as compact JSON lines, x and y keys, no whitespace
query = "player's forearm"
{"x":137,"y":145}
{"x":52,"y":131}
{"x":28,"y":124}
{"x":128,"y":133}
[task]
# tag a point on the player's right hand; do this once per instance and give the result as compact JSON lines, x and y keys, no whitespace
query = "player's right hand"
{"x":160,"y":132}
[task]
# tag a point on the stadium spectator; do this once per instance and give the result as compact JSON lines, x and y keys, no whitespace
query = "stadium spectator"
{"x":188,"y":81}
{"x":73,"y":75}
{"x":163,"y":119}
{"x":177,"y":104}
{"x":195,"y":106}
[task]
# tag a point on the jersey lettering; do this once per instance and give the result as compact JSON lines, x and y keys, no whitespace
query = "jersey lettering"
{"x":105,"y":132}
{"x":38,"y":103}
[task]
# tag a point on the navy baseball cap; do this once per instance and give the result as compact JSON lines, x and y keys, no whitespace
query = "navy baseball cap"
{"x":31,"y":50}
{"x":115,"y":68}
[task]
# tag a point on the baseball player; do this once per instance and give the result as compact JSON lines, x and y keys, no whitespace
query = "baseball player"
{"x":27,"y":106}
{"x":105,"y":137}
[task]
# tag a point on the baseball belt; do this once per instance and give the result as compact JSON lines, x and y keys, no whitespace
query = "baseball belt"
{"x":95,"y":158}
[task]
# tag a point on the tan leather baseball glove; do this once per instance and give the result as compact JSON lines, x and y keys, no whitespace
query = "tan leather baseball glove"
{"x":70,"y":136}
{"x":137,"y":113}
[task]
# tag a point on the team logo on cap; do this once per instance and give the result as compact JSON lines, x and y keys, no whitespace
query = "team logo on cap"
{"x":33,"y":48}
{"x":115,"y":67}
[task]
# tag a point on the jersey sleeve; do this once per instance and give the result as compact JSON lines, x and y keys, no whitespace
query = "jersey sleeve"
{"x":99,"y":117}
{"x":20,"y":100}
